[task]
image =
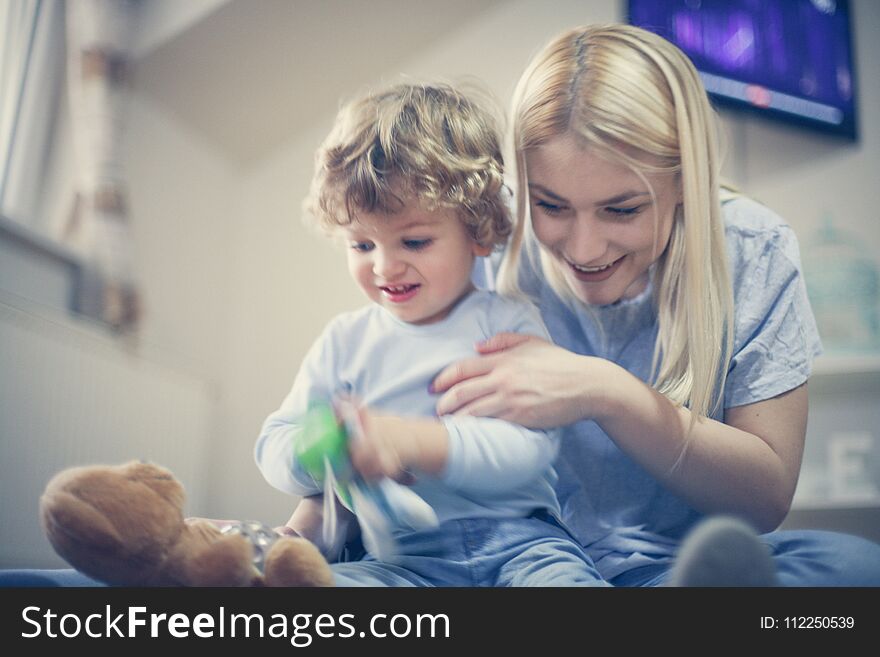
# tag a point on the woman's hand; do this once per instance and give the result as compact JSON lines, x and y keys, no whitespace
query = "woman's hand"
{"x":523,"y":379}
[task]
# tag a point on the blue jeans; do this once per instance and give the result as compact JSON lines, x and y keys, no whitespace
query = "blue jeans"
{"x":534,"y":551}
{"x":803,"y":558}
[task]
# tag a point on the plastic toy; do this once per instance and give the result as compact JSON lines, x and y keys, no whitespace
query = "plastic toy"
{"x":381,"y":506}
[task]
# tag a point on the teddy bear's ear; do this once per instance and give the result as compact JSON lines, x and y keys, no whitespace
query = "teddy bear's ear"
{"x":160,"y":480}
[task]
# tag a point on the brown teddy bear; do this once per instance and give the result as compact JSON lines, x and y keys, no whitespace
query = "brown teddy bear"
{"x":124,"y":525}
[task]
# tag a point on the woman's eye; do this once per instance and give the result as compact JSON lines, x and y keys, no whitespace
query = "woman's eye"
{"x":549,"y":208}
{"x":362,"y":247}
{"x":417,"y":245}
{"x":624,"y":212}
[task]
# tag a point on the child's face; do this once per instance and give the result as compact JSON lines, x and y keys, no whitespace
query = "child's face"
{"x":416,"y":263}
{"x":597,"y":218}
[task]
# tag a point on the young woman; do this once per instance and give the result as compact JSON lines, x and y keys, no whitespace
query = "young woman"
{"x":683,"y":335}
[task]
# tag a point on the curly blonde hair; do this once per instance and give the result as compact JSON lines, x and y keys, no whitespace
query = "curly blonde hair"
{"x":412,"y":143}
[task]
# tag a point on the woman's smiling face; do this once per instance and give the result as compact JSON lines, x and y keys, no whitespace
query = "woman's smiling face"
{"x":598,"y":219}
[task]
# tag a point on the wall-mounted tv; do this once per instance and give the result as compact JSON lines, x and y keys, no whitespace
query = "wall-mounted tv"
{"x":787,"y":59}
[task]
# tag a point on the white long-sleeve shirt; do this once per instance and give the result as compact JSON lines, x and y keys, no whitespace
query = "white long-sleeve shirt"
{"x":494,"y":468}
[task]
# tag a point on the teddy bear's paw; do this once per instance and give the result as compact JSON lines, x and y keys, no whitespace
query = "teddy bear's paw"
{"x":259,"y":535}
{"x":213,"y":559}
{"x":296,"y":562}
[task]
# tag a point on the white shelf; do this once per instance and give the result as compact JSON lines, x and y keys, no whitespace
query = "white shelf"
{"x":829,"y":504}
{"x":836,"y":364}
{"x":815,"y":492}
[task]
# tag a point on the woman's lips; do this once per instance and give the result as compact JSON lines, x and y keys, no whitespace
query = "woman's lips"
{"x":593,"y":274}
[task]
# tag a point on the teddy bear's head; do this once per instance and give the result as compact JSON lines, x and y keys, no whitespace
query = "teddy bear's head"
{"x":128,"y":517}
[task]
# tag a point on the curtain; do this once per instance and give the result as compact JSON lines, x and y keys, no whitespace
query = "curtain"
{"x":98,"y":36}
{"x":17,"y":20}
{"x":31,"y":78}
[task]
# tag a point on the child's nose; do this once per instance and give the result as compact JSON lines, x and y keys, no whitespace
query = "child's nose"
{"x":388,"y":266}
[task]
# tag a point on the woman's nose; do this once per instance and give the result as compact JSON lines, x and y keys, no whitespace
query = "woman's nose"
{"x":586,"y":242}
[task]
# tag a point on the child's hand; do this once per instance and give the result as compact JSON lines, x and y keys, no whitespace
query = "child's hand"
{"x":385,"y":447}
{"x":308,"y":521}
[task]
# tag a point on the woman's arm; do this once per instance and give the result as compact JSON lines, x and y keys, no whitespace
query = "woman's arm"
{"x":747,"y":465}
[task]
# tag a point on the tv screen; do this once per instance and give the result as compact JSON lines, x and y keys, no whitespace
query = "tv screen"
{"x":789,"y":59}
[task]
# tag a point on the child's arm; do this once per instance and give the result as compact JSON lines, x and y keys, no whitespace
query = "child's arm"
{"x":392,"y":446}
{"x":274,"y":449}
{"x":307,"y":521}
{"x":471,"y":454}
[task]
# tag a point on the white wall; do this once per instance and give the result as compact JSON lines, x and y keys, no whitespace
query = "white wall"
{"x":285,"y":283}
{"x":160,"y":20}
{"x":184,"y":200}
{"x":185,"y":204}
{"x":805,"y":175}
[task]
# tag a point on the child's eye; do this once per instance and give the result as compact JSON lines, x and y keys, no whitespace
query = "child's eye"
{"x":417,"y":245}
{"x":624,"y":212}
{"x":549,"y":208}
{"x":362,"y":247}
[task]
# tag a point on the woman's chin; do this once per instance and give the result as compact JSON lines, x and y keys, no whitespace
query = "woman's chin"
{"x":601,"y":300}
{"x":595,"y":294}
{"x":607,"y":292}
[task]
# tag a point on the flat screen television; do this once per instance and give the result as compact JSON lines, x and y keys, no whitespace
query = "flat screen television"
{"x":787,"y":59}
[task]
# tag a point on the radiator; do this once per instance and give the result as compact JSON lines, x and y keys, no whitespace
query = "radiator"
{"x":71,"y":396}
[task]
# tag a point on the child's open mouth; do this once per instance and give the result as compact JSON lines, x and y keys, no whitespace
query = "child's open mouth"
{"x":399,"y":293}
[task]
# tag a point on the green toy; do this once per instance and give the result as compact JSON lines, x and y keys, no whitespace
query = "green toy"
{"x":322,"y":443}
{"x":382,"y":507}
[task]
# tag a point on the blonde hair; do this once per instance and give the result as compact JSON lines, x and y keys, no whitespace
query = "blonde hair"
{"x":636,"y":99}
{"x":413,"y":142}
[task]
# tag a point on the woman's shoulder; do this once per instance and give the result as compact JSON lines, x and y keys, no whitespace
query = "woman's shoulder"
{"x":775,"y":336}
{"x":754,"y":231}
{"x":746,"y":216}
{"x":507,"y":312}
{"x":765,"y":265}
{"x":498,"y":304}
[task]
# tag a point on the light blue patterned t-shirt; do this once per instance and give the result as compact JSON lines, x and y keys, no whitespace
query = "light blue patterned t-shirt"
{"x":624,"y":517}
